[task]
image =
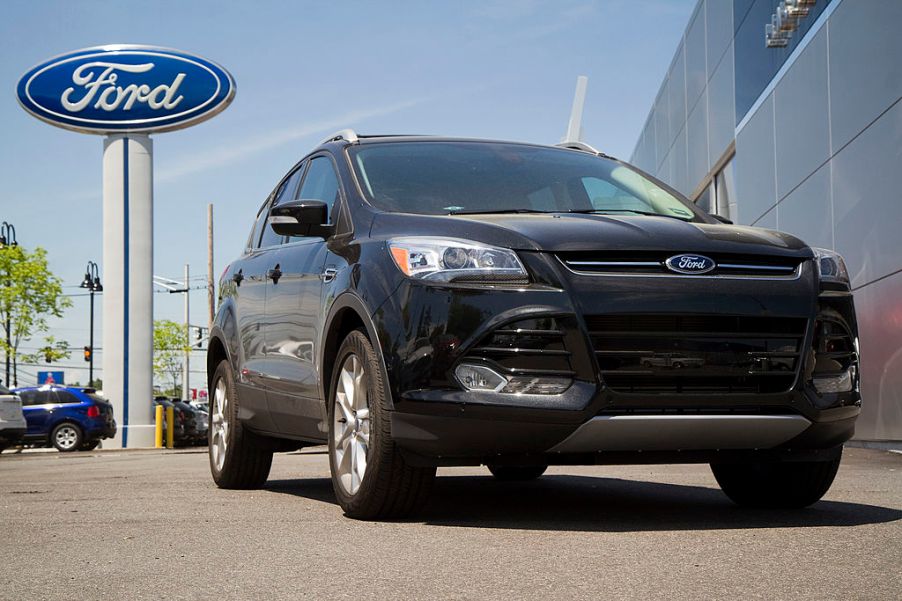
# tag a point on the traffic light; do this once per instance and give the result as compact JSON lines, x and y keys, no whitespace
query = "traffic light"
{"x":48,"y":355}
{"x":87,"y":353}
{"x":199,"y":336}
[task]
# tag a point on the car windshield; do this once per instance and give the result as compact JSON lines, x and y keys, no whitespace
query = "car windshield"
{"x":434,"y":178}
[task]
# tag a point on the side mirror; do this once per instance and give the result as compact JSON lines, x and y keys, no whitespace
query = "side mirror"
{"x":722,"y":219}
{"x":301,"y":218}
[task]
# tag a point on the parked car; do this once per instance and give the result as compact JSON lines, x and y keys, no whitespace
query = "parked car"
{"x":69,"y":419}
{"x":416,"y":301}
{"x":189,"y":416}
{"x":12,"y":419}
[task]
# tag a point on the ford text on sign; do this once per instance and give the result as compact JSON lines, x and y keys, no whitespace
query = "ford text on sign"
{"x":125,"y":89}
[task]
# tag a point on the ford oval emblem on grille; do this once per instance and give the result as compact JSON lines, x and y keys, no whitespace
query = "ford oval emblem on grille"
{"x":690,"y":264}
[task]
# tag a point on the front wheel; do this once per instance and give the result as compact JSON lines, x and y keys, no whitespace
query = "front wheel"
{"x":790,"y":484}
{"x":236,"y":458}
{"x":66,"y":437}
{"x":370,"y":477}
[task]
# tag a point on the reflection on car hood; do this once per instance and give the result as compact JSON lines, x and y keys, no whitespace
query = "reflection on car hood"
{"x":571,"y":232}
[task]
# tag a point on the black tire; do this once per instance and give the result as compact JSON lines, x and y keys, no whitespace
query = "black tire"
{"x":390,"y":487}
{"x":517,"y":473}
{"x":66,"y":437}
{"x":89,"y":445}
{"x":246,"y":462}
{"x":776,"y":484}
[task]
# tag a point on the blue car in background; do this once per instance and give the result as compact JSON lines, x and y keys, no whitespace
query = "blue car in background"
{"x":70,"y":419}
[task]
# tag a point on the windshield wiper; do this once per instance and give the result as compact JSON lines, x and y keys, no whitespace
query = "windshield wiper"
{"x":634,"y":211}
{"x":496,"y":211}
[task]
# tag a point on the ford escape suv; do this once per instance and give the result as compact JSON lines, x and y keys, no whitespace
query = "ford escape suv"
{"x":418,"y":301}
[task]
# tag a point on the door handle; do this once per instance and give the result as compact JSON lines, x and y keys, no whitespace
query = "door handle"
{"x":238,"y":277}
{"x":329,"y":274}
{"x":274,"y":274}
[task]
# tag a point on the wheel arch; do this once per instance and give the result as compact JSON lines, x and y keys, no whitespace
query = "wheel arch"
{"x":223,"y":342}
{"x":346,"y":314}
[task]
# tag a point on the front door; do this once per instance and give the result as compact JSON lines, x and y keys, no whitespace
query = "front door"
{"x":294,"y":318}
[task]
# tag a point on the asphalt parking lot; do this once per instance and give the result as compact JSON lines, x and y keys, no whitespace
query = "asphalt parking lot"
{"x":151,"y":525}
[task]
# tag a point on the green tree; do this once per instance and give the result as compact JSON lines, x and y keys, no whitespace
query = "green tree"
{"x":169,"y":347}
{"x":29,"y":295}
{"x":53,"y":350}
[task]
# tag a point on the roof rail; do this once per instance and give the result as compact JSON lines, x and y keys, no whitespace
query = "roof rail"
{"x":348,"y":135}
{"x":573,"y":145}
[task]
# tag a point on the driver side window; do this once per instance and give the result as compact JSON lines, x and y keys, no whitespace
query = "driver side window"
{"x":285,"y":192}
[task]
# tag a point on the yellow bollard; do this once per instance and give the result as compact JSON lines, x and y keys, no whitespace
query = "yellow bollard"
{"x":170,"y":430}
{"x":158,"y":432}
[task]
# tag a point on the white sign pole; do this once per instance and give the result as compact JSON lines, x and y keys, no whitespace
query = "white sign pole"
{"x":128,"y":286}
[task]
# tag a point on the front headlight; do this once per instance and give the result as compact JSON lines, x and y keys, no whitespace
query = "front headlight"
{"x":454,"y":260}
{"x":830,"y":266}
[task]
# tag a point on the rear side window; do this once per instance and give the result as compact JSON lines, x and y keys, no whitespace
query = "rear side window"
{"x":66,"y":397}
{"x":321,"y":183}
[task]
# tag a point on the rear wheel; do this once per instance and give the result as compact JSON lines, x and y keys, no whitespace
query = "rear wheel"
{"x":776,"y":484}
{"x":517,"y":473}
{"x":370,"y":477}
{"x":237,"y":459}
{"x":66,"y":437}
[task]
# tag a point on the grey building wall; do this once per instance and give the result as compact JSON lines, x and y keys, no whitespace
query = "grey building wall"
{"x":818,"y":154}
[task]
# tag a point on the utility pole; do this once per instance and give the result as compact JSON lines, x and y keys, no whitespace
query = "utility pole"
{"x":187,"y":369}
{"x":211,"y":283}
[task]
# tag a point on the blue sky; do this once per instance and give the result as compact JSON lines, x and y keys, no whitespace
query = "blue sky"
{"x":305,"y":69}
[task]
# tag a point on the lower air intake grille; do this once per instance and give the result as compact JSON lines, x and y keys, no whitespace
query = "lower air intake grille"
{"x":696,"y":354}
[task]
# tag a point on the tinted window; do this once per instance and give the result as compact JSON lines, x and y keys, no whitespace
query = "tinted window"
{"x":37,"y":397}
{"x":66,"y":397}
{"x":254,"y":240}
{"x":285,"y":192}
{"x":289,"y":186}
{"x":321,"y":183}
{"x":447,"y":177}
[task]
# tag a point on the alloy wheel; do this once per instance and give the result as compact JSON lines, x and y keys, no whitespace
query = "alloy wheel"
{"x":351,"y":416}
{"x":66,"y":437}
{"x":219,"y":425}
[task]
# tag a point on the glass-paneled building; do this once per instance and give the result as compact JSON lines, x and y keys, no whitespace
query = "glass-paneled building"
{"x":802,"y":132}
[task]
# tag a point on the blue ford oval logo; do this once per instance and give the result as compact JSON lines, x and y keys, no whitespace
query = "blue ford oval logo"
{"x":125,"y":89}
{"x":690,"y":264}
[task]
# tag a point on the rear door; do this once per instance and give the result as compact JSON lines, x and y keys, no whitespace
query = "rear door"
{"x":39,"y":407}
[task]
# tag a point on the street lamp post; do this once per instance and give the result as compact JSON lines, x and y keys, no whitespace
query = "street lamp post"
{"x":7,"y":239}
{"x":92,"y":284}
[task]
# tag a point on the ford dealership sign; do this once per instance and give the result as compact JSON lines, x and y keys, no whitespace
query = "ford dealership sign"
{"x":125,"y":88}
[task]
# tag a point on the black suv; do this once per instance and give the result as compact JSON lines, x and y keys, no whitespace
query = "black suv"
{"x":418,"y":301}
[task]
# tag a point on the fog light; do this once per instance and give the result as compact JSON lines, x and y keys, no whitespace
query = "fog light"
{"x":835,"y":383}
{"x":527,"y":385}
{"x":479,"y":377}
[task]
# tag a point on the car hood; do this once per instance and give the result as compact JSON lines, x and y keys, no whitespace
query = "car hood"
{"x":562,"y":232}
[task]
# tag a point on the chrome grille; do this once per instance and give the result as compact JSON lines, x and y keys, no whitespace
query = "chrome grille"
{"x":652,"y":263}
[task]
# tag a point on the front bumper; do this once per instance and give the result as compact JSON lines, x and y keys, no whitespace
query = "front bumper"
{"x":426,"y":330}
